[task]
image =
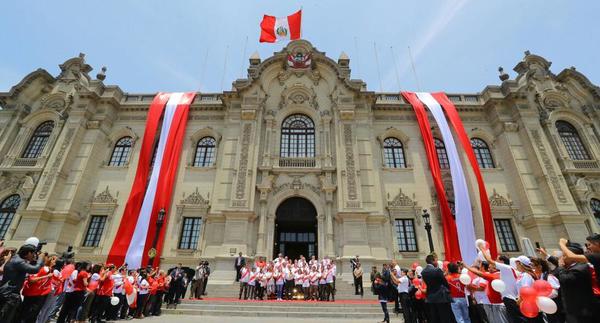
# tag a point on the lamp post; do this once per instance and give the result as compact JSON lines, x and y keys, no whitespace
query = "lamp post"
{"x":427,"y":220}
{"x":160,"y":220}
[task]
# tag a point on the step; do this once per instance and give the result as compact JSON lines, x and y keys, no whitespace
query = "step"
{"x":279,"y":313}
{"x":275,"y":308}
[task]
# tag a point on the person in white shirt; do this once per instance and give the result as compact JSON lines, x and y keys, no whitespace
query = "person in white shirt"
{"x":331,"y":269}
{"x":403,"y":287}
{"x":143,"y":289}
{"x":251,"y":291}
{"x":244,"y":278}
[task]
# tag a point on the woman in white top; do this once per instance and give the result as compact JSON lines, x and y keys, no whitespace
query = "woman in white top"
{"x":143,"y":288}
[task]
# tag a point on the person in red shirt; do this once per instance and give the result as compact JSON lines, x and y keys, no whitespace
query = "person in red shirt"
{"x":459,"y":303}
{"x":101,"y":306}
{"x":74,"y":299}
{"x":35,"y":290}
{"x":495,"y":311}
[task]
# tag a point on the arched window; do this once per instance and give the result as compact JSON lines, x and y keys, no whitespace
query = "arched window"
{"x":393,"y":153}
{"x":38,"y":140}
{"x":440,"y":148}
{"x":8,"y":208}
{"x":205,"y":152}
{"x":482,"y":153}
{"x":595,"y":206}
{"x":120,"y":153}
{"x":572,"y":141}
{"x":298,"y":137}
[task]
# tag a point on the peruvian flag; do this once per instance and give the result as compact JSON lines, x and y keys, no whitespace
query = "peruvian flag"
{"x":273,"y":29}
{"x":153,"y":184}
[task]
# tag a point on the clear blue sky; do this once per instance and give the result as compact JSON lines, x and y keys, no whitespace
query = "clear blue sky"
{"x":153,"y":45}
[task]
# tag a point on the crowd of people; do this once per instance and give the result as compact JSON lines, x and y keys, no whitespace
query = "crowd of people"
{"x":564,"y":287}
{"x":286,"y":279}
{"x":41,"y":287}
{"x":547,"y":288}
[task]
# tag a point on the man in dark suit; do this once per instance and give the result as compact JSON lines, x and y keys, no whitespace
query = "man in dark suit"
{"x":576,"y":286}
{"x":438,"y":293}
{"x":240,"y":262}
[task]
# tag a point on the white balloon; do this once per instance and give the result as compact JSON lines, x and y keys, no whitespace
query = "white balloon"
{"x":464,"y":271}
{"x":498,"y":285}
{"x":465,"y":279}
{"x":32,"y":241}
{"x":114,"y":301}
{"x":546,"y":304}
{"x":418,"y":270}
{"x":479,"y":243}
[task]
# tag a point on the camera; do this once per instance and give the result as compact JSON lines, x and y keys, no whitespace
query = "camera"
{"x":40,"y":245}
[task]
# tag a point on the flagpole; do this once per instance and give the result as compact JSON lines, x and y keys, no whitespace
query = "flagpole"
{"x":412,"y":62}
{"x":357,"y":56}
{"x":244,"y":55}
{"x":224,"y":67}
{"x":395,"y":68}
{"x":378,"y":71}
{"x":203,"y":71}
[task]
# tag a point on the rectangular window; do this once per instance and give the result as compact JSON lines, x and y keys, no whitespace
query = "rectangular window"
{"x":190,"y":231}
{"x":508,"y":242}
{"x":94,"y":231}
{"x":405,"y":234}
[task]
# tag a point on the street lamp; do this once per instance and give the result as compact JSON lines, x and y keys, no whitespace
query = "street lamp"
{"x":160,"y":220}
{"x":427,"y":220}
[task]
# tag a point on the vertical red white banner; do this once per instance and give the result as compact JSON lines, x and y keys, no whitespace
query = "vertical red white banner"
{"x":136,"y":232}
{"x":459,"y":233}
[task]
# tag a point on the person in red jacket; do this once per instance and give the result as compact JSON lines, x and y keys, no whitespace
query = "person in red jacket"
{"x":35,"y":290}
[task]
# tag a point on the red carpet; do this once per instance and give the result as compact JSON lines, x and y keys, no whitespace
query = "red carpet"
{"x":232,"y":299}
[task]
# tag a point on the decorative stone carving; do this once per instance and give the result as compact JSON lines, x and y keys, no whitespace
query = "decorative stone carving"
{"x":243,"y":167}
{"x":552,"y":175}
{"x":401,"y":200}
{"x":350,"y":167}
{"x":497,"y":200}
{"x":297,"y":185}
{"x":104,"y":197}
{"x":54,"y":168}
{"x":511,"y":127}
{"x":196,"y":199}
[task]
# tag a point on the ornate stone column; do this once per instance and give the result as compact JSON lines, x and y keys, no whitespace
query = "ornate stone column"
{"x":328,"y":188}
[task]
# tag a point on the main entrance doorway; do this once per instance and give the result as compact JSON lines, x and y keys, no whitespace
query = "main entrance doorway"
{"x":296,"y":229}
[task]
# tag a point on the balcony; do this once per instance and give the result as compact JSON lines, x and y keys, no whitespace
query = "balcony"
{"x":585,"y":164}
{"x":582,"y":166}
{"x":286,"y":162}
{"x":25,"y":162}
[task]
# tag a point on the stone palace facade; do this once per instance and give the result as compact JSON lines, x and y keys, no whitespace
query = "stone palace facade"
{"x":297,"y":158}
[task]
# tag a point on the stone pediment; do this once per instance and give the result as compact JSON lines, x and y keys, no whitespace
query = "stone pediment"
{"x":104,"y":197}
{"x":497,"y":200}
{"x":196,"y":199}
{"x":401,"y":200}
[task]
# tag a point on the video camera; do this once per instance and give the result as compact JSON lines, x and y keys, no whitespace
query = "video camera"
{"x":40,"y":245}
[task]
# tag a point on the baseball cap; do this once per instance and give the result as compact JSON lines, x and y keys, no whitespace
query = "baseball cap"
{"x":524,"y":260}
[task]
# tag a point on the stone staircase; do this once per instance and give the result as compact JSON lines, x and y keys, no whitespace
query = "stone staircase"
{"x":288,"y":309}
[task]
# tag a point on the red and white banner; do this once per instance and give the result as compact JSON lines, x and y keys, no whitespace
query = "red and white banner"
{"x":136,"y":232}
{"x":274,"y":29}
{"x":461,"y":229}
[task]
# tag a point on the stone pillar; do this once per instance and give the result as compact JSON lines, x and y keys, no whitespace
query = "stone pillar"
{"x":262,"y":223}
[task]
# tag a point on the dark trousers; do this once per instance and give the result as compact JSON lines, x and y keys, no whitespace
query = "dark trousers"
{"x":407,"y":309}
{"x":243,"y":290}
{"x":100,"y":306}
{"x":440,"y":313}
{"x":69,"y":309}
{"x":204,"y":282}
{"x":386,"y":314}
{"x":30,"y":308}
{"x":238,"y":274}
{"x":8,"y":307}
{"x":480,"y":314}
{"x":394,"y":297}
{"x":358,"y":286}
{"x":331,"y":291}
{"x":141,"y":304}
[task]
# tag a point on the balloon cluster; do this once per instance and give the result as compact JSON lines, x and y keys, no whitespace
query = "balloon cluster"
{"x":536,"y":298}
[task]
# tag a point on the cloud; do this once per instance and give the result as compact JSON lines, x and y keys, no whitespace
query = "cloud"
{"x":443,"y":17}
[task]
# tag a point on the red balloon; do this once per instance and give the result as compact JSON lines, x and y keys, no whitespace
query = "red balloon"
{"x":528,"y":293}
{"x":445,"y":266}
{"x":415,"y":265}
{"x":416,"y":281}
{"x":419,"y":295}
{"x":529,"y":308}
{"x":543,"y":288}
